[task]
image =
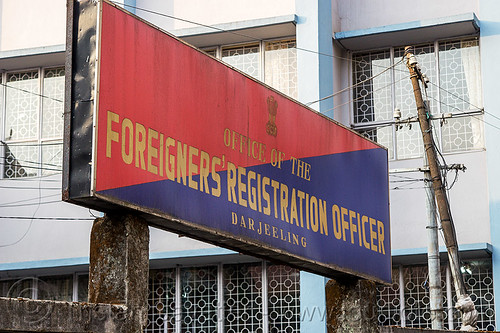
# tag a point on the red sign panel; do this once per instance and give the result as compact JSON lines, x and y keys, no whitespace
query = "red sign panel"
{"x":224,"y":158}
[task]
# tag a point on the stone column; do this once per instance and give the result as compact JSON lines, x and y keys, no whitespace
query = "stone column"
{"x":119,"y":266}
{"x":351,"y":306}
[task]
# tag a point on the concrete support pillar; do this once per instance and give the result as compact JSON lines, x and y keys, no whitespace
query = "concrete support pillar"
{"x":119,"y":266}
{"x":352,"y":306}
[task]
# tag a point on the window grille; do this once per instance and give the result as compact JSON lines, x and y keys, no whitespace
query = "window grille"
{"x":274,"y":62}
{"x":453,"y":68}
{"x":33,"y":127}
{"x":414,"y":303}
{"x":189,"y":299}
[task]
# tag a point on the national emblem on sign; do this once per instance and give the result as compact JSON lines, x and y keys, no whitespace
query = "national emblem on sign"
{"x":272,"y":108}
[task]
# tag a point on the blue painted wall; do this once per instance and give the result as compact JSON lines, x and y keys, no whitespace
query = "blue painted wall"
{"x":314,"y":53}
{"x":315,"y":81}
{"x":490,"y":47}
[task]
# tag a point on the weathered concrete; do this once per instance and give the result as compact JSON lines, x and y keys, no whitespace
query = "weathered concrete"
{"x":352,"y":306}
{"x":24,"y":315}
{"x":395,"y":329}
{"x":119,"y":266}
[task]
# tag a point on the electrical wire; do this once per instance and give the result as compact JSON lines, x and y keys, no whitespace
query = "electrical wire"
{"x":29,"y":167}
{"x":33,"y":93}
{"x":46,"y":218}
{"x":43,"y":178}
{"x":22,"y":162}
{"x":3,"y":204}
{"x":363,"y":96}
{"x":234,"y":32}
{"x":31,"y":204}
{"x":355,"y":85}
{"x":29,"y":187}
{"x":42,"y":144}
{"x":17,"y":163}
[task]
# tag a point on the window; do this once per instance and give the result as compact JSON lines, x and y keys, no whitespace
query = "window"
{"x":214,"y":298}
{"x":58,"y":288}
{"x":33,"y":127}
{"x":453,"y":96}
{"x":274,"y":62}
{"x":196,"y":297}
{"x":410,"y":307}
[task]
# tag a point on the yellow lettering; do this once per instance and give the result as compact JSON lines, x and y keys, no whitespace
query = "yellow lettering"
{"x":314,"y":214}
{"x":216,"y":192}
{"x":152,"y":151}
{"x":140,"y":146}
{"x":231,"y":182}
{"x":275,"y":185}
{"x":193,"y":168}
{"x":169,"y":159}
{"x":284,"y":202}
{"x":380,"y":229}
{"x":293,"y":209}
{"x":337,"y":225}
{"x":181,"y":162}
{"x":364,"y":221}
{"x":204,"y":170}
{"x":252,"y":195}
{"x":353,"y":227}
{"x":301,"y":195}
{"x":242,"y":187}
{"x":127,"y":127}
{"x":265,"y":196}
{"x":110,"y":134}
{"x":345,"y":224}
{"x":322,"y":217}
{"x":373,"y":235}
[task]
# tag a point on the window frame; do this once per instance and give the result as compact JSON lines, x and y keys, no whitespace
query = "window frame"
{"x":262,"y":49}
{"x":39,"y":141}
{"x":439,"y":116}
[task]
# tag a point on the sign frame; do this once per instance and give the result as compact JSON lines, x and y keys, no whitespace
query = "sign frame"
{"x":83,"y":147}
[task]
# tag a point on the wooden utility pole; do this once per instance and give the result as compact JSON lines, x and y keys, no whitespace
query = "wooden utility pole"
{"x":464,"y":303}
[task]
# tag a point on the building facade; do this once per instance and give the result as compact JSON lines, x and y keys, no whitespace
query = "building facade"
{"x":341,"y":58}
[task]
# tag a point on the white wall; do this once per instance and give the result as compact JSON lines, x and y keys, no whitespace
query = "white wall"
{"x":211,"y":12}
{"x":32,"y":23}
{"x":26,"y":240}
{"x":468,"y":199}
{"x":363,"y":14}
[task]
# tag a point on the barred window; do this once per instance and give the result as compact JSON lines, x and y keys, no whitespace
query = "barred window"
{"x":453,"y":96}
{"x":274,"y":62}
{"x":406,"y":302}
{"x":225,"y":298}
{"x":33,"y":122}
{"x":244,"y":57}
{"x":58,"y":288}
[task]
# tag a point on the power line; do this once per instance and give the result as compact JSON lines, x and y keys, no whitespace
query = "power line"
{"x":42,"y":144}
{"x":29,"y":188}
{"x":19,"y":161}
{"x":46,"y":218}
{"x":24,"y":200}
{"x":13,"y":166}
{"x":355,"y":85}
{"x":30,"y":204}
{"x":31,"y":92}
{"x":41,"y":178}
{"x":464,"y":112}
{"x":363,"y":96}
{"x":234,"y":32}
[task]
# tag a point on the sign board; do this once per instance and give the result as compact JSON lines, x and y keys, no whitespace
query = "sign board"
{"x":195,"y":146}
